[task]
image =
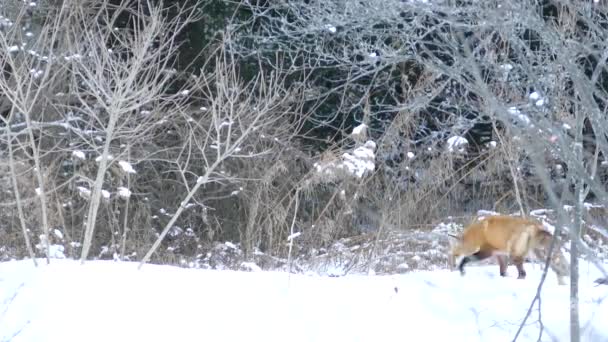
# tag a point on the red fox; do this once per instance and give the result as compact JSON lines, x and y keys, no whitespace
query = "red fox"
{"x":508,"y":236}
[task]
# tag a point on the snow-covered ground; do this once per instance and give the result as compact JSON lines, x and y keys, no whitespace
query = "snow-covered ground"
{"x":113,"y":301}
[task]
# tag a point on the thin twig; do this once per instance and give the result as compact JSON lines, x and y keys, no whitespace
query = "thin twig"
{"x":291,"y":235}
{"x":540,"y":285}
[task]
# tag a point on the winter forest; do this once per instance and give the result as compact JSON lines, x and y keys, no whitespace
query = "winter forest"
{"x":307,"y":161}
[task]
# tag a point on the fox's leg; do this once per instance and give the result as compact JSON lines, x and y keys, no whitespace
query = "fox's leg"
{"x":502,"y":263}
{"x":519,"y":263}
{"x":474,"y":257}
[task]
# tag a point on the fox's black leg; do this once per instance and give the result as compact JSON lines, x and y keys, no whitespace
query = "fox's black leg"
{"x":474,"y":257}
{"x":463,"y":262}
{"x":519,"y":263}
{"x":502,"y":263}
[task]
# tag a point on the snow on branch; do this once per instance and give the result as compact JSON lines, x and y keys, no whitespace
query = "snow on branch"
{"x":358,"y":163}
{"x":126,"y":166}
{"x":23,"y":128}
{"x":456,"y":143}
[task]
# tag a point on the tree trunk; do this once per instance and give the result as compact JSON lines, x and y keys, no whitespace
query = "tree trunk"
{"x":574,"y":253}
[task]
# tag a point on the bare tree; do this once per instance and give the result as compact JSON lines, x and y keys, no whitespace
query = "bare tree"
{"x":26,"y":79}
{"x":117,"y":75}
{"x":76,"y":84}
{"x":235,"y":114}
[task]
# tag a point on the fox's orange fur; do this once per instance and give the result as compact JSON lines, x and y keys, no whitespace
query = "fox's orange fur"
{"x":505,"y":236}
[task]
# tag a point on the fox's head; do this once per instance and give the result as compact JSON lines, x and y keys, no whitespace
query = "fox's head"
{"x":456,"y":250}
{"x":543,"y":238}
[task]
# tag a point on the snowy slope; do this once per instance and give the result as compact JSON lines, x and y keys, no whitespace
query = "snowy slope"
{"x":109,"y":301}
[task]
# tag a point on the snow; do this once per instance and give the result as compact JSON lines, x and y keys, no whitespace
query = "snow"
{"x":539,"y":101}
{"x":58,"y":233}
{"x":126,"y":166}
{"x":456,"y":142}
{"x":359,"y":130}
{"x":331,"y":28}
{"x":483,"y":213}
{"x":109,"y":157}
{"x":293,"y":236}
{"x":105,"y":194}
{"x":361,"y":161}
{"x":226,"y":123}
{"x":124,"y":192}
{"x":506,"y":67}
{"x":519,"y":115}
{"x":357,"y":163}
{"x":540,"y":212}
{"x":74,"y":56}
{"x":588,"y":206}
{"x":79,"y":155}
{"x":66,"y":301}
{"x":36,"y":73}
{"x":55,"y":252}
{"x":251,"y":266}
{"x":84,"y":191}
